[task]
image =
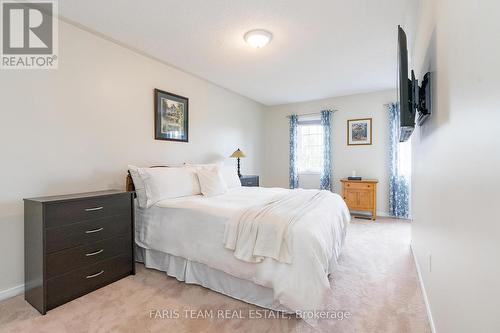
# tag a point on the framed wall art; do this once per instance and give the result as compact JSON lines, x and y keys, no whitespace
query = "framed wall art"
{"x":359,"y":132}
{"x":171,"y":116}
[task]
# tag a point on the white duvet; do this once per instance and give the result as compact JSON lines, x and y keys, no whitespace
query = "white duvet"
{"x":194,"y":228}
{"x":266,"y":230}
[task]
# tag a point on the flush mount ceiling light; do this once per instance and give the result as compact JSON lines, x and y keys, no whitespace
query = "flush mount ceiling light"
{"x":258,"y":38}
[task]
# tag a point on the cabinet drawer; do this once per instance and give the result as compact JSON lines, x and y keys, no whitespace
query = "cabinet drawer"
{"x":68,"y":260}
{"x":86,"y":232}
{"x":62,"y":213}
{"x":67,"y":287}
{"x":361,"y":186}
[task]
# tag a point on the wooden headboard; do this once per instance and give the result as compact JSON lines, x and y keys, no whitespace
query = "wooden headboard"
{"x":129,"y":183}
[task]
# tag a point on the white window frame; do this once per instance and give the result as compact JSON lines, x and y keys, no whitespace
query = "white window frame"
{"x":302,"y":123}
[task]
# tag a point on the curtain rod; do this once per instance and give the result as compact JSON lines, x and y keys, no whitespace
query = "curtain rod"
{"x":311,"y":113}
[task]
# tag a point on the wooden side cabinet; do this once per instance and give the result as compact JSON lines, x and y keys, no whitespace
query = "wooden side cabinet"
{"x":361,"y":195}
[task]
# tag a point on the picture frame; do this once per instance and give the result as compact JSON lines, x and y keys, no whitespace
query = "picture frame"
{"x":359,"y":132}
{"x":171,"y":113}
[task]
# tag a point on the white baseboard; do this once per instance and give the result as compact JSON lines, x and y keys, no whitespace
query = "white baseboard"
{"x":379,"y":214}
{"x":384,"y":214}
{"x":424,"y":293}
{"x":11,"y":292}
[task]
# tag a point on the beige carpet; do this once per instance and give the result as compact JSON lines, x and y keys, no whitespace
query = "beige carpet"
{"x":376,"y":282}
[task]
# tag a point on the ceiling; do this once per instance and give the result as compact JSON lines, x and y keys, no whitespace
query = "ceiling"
{"x":320,"y":48}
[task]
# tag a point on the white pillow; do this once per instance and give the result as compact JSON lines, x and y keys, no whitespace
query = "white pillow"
{"x":210,"y":166}
{"x":228,"y":172}
{"x":167,"y":183}
{"x":230,"y":176}
{"x":140,"y":191}
{"x":211,"y":182}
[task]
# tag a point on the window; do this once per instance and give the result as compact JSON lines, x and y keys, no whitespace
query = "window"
{"x":309,"y":147}
{"x":404,"y":161}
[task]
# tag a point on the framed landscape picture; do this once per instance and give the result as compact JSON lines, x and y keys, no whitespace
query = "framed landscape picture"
{"x":359,"y":132}
{"x":171,"y":116}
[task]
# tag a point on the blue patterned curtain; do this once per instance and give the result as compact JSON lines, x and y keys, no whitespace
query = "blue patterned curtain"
{"x":399,"y":185}
{"x":294,"y":177}
{"x":325,"y":182}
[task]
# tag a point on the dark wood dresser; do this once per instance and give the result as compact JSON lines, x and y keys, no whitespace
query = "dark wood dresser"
{"x":74,"y":244}
{"x":249,"y":180}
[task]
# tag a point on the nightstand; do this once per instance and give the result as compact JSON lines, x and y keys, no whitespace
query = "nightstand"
{"x":249,"y":180}
{"x":361,"y":195}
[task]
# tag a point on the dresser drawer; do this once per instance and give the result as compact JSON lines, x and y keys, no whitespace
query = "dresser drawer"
{"x":63,"y":213}
{"x":362,"y":186}
{"x":68,"y":260}
{"x":67,"y":287}
{"x":86,"y":232}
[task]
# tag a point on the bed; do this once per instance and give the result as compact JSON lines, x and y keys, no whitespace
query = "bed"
{"x":196,"y":239}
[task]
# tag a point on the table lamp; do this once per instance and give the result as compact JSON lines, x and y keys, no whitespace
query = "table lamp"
{"x":238,"y":154}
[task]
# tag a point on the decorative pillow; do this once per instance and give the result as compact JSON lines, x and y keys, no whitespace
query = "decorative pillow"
{"x":230,"y":176}
{"x":167,"y":183}
{"x":211,"y":182}
{"x":140,"y":191}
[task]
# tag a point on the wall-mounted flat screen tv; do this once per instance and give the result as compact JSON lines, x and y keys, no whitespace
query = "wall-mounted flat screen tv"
{"x":406,"y":110}
{"x":412,"y":99}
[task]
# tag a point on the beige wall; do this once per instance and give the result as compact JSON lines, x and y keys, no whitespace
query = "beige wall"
{"x":76,"y":128}
{"x":368,"y":161}
{"x":456,"y":154}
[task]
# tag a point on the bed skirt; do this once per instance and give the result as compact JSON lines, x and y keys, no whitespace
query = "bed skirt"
{"x":196,"y":273}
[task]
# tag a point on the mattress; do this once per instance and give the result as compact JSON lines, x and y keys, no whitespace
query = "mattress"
{"x":192,"y":229}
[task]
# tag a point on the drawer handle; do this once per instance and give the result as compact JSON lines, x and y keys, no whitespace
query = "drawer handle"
{"x":94,"y":230}
{"x":93,"y":209}
{"x":94,"y":275}
{"x":94,"y":253}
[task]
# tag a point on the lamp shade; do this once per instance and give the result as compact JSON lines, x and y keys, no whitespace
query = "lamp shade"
{"x":237,"y":153}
